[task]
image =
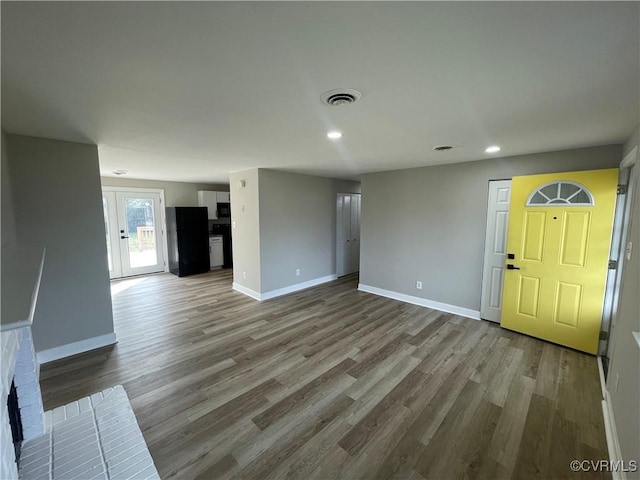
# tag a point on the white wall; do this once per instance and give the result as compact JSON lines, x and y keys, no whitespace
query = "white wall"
{"x":623,"y":381}
{"x":245,"y":215}
{"x":176,"y":194}
{"x":57,"y":205}
{"x":429,"y":223}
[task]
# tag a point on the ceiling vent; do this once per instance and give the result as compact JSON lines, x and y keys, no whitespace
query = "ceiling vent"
{"x":443,"y":148}
{"x":340,"y":96}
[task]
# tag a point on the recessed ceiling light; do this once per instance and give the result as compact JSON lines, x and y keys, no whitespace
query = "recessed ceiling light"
{"x":493,"y":149}
{"x":120,"y":172}
{"x":334,"y":135}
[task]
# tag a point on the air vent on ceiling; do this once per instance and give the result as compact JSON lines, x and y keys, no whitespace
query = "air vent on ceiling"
{"x":341,"y":96}
{"x":443,"y":148}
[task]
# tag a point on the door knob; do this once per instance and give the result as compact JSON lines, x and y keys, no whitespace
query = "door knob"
{"x":512,"y":267}
{"x":122,"y":236}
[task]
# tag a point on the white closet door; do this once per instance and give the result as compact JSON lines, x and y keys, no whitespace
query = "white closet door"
{"x":495,"y":249}
{"x":355,"y":234}
{"x":347,"y":234}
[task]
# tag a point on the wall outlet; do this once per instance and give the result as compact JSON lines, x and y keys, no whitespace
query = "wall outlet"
{"x":242,"y":208}
{"x":629,"y":248}
{"x":233,"y":224}
{"x":297,"y":272}
{"x":244,"y":275}
{"x":419,"y":285}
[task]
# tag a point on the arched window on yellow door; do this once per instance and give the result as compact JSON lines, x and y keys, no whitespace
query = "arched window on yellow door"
{"x":560,"y":193}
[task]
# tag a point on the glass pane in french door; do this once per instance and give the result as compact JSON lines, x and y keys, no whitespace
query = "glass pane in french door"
{"x":105,"y":211}
{"x":141,"y":230}
{"x":111,"y":231}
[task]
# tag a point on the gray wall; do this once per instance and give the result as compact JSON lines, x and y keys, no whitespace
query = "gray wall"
{"x":245,"y":216}
{"x":288,"y":222}
{"x":624,"y":351}
{"x":296,"y":224}
{"x":297,"y":227}
{"x":176,"y":194}
{"x":57,"y":205}
{"x":429,"y":223}
{"x":8,"y":221}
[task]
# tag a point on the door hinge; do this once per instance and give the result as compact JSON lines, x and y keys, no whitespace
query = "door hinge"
{"x":604,"y":335}
{"x":622,"y":189}
{"x":613,"y":264}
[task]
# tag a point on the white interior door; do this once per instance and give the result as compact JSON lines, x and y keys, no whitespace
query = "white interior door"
{"x":133,"y":224}
{"x":355,"y":233}
{"x":347,"y":234}
{"x":495,"y":249}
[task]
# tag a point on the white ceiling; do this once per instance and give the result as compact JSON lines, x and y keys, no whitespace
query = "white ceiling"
{"x":192,"y":91}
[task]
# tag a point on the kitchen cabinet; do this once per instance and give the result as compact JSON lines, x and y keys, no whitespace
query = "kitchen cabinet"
{"x":216,"y":252}
{"x":211,"y":200}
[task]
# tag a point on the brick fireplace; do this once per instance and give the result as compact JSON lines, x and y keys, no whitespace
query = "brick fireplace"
{"x":19,"y":364}
{"x":93,"y":437}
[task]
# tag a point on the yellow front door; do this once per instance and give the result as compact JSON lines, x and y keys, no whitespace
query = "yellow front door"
{"x":558,"y":244}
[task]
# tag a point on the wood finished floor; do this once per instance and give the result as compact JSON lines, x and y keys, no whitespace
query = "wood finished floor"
{"x":335,"y":383}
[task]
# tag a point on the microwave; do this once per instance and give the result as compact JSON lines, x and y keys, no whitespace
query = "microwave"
{"x":224,"y":210}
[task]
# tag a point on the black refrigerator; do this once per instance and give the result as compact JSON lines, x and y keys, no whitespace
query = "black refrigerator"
{"x":188,"y":240}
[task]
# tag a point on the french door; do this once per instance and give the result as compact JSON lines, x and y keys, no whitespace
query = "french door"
{"x":133,"y":227}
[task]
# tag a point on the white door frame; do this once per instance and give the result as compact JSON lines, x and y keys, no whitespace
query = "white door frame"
{"x":628,"y":175}
{"x":163,"y":216}
{"x":493,"y":266}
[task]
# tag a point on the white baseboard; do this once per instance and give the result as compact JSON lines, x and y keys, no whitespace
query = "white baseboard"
{"x":74,"y":348}
{"x":603,"y":382}
{"x":298,"y":286}
{"x":611,"y":432}
{"x":283,"y":291}
{"x":247,"y":291}
{"x":423,"y":302}
{"x":613,"y":445}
